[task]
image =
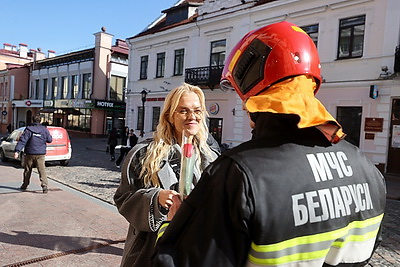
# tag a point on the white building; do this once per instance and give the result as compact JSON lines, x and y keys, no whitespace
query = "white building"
{"x":356,"y":39}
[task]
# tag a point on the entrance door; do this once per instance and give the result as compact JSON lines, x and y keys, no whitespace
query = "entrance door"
{"x":393,"y":163}
{"x":350,"y":119}
{"x":215,"y":129}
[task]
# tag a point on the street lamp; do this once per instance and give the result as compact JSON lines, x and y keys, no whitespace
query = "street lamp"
{"x":13,"y":116}
{"x":144,"y":94}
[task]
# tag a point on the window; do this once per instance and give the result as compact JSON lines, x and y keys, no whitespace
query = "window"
{"x":350,"y":119}
{"x":64,"y":87}
{"x":75,"y":86}
{"x":178,"y":62}
{"x":45,"y":89}
{"x":139,"y":119}
{"x":144,"y":62}
{"x":160,"y":65}
{"x":80,"y":122}
{"x":117,"y":85}
{"x":312,"y":31}
{"x":87,"y":84}
{"x":37,"y":89}
{"x":156,"y":118}
{"x":351,"y":37}
{"x":217,"y":57}
{"x":54,"y":87}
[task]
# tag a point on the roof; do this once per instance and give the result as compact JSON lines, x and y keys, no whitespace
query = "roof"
{"x":161,"y":24}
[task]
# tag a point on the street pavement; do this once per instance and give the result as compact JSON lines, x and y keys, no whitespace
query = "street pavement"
{"x":77,"y":224}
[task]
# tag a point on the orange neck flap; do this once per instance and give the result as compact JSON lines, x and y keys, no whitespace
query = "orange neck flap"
{"x":296,"y":96}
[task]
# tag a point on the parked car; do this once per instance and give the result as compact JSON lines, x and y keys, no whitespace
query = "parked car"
{"x":58,"y":150}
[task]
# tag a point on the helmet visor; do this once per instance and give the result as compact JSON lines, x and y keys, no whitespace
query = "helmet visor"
{"x":226,"y":85}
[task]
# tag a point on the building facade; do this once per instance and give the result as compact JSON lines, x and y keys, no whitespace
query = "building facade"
{"x":358,"y":43}
{"x":83,"y":91}
{"x":14,"y":84}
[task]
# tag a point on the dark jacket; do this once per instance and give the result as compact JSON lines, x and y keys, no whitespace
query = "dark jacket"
{"x":287,"y":197}
{"x":34,"y":139}
{"x":133,"y":140}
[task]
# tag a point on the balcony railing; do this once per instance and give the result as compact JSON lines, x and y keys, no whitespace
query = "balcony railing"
{"x":204,"y":76}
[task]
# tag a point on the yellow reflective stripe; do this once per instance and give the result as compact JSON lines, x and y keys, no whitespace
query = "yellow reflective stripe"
{"x":355,"y":238}
{"x":318,"y":237}
{"x":162,"y":230}
{"x":345,"y":234}
{"x":290,"y":258}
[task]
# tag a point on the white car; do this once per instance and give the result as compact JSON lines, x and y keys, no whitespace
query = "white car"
{"x":58,"y":150}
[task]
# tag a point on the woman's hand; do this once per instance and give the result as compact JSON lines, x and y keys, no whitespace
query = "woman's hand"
{"x":174,"y":207}
{"x":166,"y":198}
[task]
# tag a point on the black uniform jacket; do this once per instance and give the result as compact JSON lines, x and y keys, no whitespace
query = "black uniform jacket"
{"x":288,"y":197}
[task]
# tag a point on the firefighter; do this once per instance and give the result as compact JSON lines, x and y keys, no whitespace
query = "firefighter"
{"x":297,"y":194}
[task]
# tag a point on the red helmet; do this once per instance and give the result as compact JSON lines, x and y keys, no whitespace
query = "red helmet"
{"x":269,"y":55}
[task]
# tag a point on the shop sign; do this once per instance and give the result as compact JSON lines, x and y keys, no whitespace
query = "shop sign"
{"x":373,"y":125}
{"x":28,"y":103}
{"x":213,"y":109}
{"x":74,"y":103}
{"x":110,"y":105}
{"x":48,"y":103}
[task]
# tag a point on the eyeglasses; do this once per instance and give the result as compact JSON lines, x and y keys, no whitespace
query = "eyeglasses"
{"x":198,"y":113}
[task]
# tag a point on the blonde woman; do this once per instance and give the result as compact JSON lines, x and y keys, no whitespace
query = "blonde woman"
{"x":150,"y":173}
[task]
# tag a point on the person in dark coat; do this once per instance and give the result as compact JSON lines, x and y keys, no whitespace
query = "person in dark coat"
{"x":125,"y":146}
{"x":112,"y":142}
{"x":34,"y":141}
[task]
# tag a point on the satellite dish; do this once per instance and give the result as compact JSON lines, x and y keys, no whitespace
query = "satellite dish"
{"x":103,"y":29}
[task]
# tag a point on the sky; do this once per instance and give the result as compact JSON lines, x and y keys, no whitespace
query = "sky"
{"x":68,"y":25}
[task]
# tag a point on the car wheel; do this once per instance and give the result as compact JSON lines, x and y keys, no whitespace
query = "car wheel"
{"x":64,"y":162}
{"x":3,"y":156}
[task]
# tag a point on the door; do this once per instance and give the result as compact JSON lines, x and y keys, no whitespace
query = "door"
{"x":350,"y":119}
{"x":215,"y":129}
{"x":393,"y":162}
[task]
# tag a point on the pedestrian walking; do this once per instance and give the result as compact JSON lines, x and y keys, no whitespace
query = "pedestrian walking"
{"x":34,"y":141}
{"x":297,"y":194}
{"x":112,"y":142}
{"x":125,"y":146}
{"x":150,"y":172}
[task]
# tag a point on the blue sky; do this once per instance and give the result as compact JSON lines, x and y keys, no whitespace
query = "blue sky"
{"x":65,"y":26}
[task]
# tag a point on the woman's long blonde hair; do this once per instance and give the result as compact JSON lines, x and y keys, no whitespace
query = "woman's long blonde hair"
{"x":165,"y":138}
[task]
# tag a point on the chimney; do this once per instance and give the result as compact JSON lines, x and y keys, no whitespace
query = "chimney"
{"x":7,"y":46}
{"x":40,"y":55}
{"x":51,"y":53}
{"x":23,"y":50}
